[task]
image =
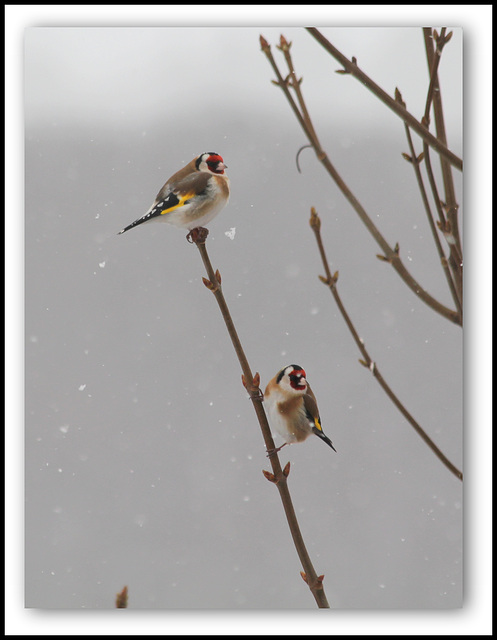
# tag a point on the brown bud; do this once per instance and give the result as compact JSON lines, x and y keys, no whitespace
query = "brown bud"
{"x":286,"y":470}
{"x":269,"y":476}
{"x":315,"y":220}
{"x":284,"y":44}
{"x":122,"y":599}
{"x":304,"y":577}
{"x":264,"y":44}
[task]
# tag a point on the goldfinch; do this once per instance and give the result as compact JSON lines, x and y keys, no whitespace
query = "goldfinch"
{"x":292,"y":408}
{"x":192,"y":197}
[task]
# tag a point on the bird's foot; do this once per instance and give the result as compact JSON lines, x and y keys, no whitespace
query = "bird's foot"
{"x":197,"y":235}
{"x":273,"y":452}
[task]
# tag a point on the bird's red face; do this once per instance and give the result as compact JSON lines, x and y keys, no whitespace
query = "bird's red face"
{"x":215,"y":163}
{"x":297,"y":379}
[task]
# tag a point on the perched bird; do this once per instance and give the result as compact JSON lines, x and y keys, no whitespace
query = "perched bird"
{"x":292,"y":409}
{"x":192,"y":197}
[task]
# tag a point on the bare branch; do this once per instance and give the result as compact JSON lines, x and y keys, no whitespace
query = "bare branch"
{"x":390,"y":255}
{"x":251,"y":383}
{"x":434,"y":98}
{"x":367,"y":361}
{"x":353,"y":69}
{"x":416,"y":161}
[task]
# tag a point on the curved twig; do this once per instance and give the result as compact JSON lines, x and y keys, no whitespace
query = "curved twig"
{"x":306,"y":146}
{"x":331,"y":280}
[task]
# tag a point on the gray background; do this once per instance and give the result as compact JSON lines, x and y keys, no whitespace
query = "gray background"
{"x":143,"y":454}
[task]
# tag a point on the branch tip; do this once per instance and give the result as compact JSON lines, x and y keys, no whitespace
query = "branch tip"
{"x":264,"y":44}
{"x":122,"y":599}
{"x":284,"y":44}
{"x":315,"y":220}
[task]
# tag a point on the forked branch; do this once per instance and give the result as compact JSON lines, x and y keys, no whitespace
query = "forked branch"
{"x":390,"y":255}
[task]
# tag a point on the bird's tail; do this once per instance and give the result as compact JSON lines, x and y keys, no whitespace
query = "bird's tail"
{"x":323,"y":437}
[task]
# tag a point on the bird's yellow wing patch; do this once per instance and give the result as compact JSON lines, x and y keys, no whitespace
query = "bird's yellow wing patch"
{"x":317,"y":424}
{"x":176,"y":203}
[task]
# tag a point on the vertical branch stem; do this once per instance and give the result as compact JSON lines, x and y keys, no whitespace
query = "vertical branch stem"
{"x":443,"y":260}
{"x":279,"y":475}
{"x":449,"y":227}
{"x":450,"y":197}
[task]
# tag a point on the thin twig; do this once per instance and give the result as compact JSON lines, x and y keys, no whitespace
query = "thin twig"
{"x":450,"y":197}
{"x":279,"y":475}
{"x":352,"y":68}
{"x":331,"y":280}
{"x":416,"y":161}
{"x":455,"y":260}
{"x":449,"y":226}
{"x":390,"y":255}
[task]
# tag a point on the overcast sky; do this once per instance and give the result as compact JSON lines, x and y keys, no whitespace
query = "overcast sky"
{"x":90,"y":99}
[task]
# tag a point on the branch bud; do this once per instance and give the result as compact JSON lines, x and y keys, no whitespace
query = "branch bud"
{"x":122,"y":599}
{"x":284,"y":44}
{"x":398,"y":97}
{"x":209,"y":285}
{"x":315,"y":220}
{"x":264,"y":44}
{"x":269,"y":476}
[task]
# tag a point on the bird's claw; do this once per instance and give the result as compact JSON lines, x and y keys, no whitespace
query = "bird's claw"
{"x":273,"y":452}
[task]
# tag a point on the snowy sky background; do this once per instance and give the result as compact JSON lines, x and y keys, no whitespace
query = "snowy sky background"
{"x":97,"y":149}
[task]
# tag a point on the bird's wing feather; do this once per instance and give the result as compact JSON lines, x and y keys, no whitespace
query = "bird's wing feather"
{"x":311,"y":407}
